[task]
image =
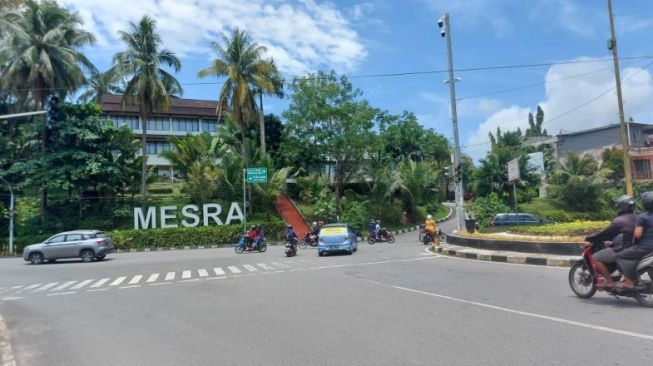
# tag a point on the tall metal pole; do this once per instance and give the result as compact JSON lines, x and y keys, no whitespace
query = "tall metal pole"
{"x":244,"y":201}
{"x":11,"y":216}
{"x":454,"y":123}
{"x":624,"y":131}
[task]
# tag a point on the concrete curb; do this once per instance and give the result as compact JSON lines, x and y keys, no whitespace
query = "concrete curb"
{"x":505,"y":257}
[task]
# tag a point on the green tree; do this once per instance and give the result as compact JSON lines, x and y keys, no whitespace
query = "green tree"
{"x":149,"y":85}
{"x":328,"y":123}
{"x":240,"y":60}
{"x":191,"y":149}
{"x":613,"y":159}
{"x":403,"y":137}
{"x":99,"y":84}
{"x":535,"y":126}
{"x":579,"y":182}
{"x":417,"y":183}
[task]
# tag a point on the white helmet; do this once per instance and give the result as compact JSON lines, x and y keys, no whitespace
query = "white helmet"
{"x":429,"y":217}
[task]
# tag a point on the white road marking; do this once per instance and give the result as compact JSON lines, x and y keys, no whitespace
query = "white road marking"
{"x":218,"y":271}
{"x":160,"y":283}
{"x":135,"y":280}
{"x":250,"y":268}
{"x":16,"y":287}
{"x":98,"y":290}
{"x":117,"y":281}
{"x":185,"y":275}
{"x":132,"y":286}
{"x":32,"y":287}
{"x":152,"y":277}
{"x":280,"y":265}
{"x":45,"y":287}
{"x":62,"y":293}
{"x":216,"y":278}
{"x":11,"y":298}
{"x":265,"y":266}
{"x":100,"y":282}
{"x":81,"y":284}
{"x":234,"y":269}
{"x":63,"y":286}
{"x":191,"y":280}
{"x":170,"y":276}
{"x":202,"y":273}
{"x":527,"y":314}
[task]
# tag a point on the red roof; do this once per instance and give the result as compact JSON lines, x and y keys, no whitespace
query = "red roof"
{"x":178,"y":107}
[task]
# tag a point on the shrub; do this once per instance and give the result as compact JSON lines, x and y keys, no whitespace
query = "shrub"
{"x":576,"y":228}
{"x":556,"y":215}
{"x":357,"y":217}
{"x":485,"y":208}
{"x":160,"y":190}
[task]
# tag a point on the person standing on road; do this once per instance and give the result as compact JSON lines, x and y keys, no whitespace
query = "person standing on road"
{"x":628,"y":258}
{"x":620,"y":232}
{"x":432,"y":229}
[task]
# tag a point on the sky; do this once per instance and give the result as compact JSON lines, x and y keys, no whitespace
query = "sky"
{"x":495,"y":45}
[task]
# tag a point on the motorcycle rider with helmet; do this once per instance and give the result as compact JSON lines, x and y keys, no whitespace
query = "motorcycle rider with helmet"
{"x":628,"y":258}
{"x":291,"y":235}
{"x":620,"y":232}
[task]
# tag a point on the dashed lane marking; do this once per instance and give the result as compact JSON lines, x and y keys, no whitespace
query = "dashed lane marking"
{"x":152,"y":278}
{"x":136,"y":279}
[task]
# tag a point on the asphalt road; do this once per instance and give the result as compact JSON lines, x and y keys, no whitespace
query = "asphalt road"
{"x":388,"y":304}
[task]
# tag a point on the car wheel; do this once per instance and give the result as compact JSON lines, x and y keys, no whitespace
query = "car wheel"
{"x":87,"y":255}
{"x":100,"y":258}
{"x":36,"y":258}
{"x":51,"y":260}
{"x":320,"y":254}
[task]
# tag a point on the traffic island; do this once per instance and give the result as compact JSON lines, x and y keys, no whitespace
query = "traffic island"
{"x":504,"y":256}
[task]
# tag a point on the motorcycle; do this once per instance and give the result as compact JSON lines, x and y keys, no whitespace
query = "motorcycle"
{"x":309,"y":239}
{"x":428,"y":237}
{"x":259,"y":245}
{"x":584,"y":280}
{"x":291,"y":247}
{"x":384,"y":235}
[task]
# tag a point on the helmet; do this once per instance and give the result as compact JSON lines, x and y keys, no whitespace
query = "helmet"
{"x":314,"y":223}
{"x":253,"y":227}
{"x":371,"y":221}
{"x":378,"y":221}
{"x":626,"y":204}
{"x":429,"y":217}
{"x":289,"y":226}
{"x":647,"y":200}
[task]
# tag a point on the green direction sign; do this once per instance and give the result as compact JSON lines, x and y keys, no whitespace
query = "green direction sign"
{"x":257,"y":175}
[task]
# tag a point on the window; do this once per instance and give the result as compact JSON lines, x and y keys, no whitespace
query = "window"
{"x":56,"y":239}
{"x":210,"y":125}
{"x":73,"y":237}
{"x":158,"y":124}
{"x":157,"y":147}
{"x":642,"y":169}
{"x":129,"y":121}
{"x":185,"y":124}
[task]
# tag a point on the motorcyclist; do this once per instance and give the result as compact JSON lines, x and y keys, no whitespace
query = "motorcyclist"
{"x":431,"y":228}
{"x":377,"y":230}
{"x":620,"y":232}
{"x":260,"y":235}
{"x":250,"y":239}
{"x":291,"y":235}
{"x":371,"y":226}
{"x":628,"y":258}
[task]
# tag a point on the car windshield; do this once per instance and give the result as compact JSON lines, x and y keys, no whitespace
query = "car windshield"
{"x":333,"y":231}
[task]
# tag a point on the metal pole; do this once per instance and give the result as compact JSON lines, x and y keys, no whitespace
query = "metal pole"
{"x":11,"y":216}
{"x":244,"y":201}
{"x":454,"y":122}
{"x":23,"y":114}
{"x":514,"y":194}
{"x":624,"y":138}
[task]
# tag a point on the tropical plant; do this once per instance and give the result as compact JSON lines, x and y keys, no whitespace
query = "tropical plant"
{"x":200,"y":181}
{"x":579,"y":183}
{"x":275,"y":186}
{"x":240,"y":60}
{"x":149,"y":85}
{"x":416,"y":181}
{"x":99,"y":84}
{"x":191,"y":149}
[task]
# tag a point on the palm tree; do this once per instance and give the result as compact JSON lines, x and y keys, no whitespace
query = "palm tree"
{"x":97,"y":85}
{"x":148,"y":86}
{"x":190,"y":149}
{"x":40,"y":55}
{"x":239,"y":59}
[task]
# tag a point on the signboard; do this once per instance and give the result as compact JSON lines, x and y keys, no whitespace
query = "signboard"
{"x":168,"y":216}
{"x":513,"y":170}
{"x":536,"y":162}
{"x":257,"y":175}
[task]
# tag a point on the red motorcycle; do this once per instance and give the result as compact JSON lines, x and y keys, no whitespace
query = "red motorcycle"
{"x":584,"y":280}
{"x":309,"y":239}
{"x":384,"y":235}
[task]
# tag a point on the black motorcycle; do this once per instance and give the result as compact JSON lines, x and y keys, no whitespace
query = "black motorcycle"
{"x":309,"y":239}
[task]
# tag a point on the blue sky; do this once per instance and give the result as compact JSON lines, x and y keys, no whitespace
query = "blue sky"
{"x":385,"y":37}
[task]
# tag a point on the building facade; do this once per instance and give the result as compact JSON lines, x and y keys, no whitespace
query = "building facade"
{"x":184,"y":116}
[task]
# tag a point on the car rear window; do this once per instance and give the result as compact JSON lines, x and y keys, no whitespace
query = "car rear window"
{"x":100,"y":235}
{"x":340,"y":230}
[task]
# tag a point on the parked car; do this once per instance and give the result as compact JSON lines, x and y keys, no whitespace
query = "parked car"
{"x":336,"y":238}
{"x":510,"y":219}
{"x":89,"y":245}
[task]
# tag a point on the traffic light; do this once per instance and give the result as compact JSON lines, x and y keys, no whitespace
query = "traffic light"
{"x":52,"y":112}
{"x":458,"y":173}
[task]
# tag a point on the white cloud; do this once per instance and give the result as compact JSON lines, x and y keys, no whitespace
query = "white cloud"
{"x":301,"y":36}
{"x":581,"y":20}
{"x":574,"y":101}
{"x":477,"y":12}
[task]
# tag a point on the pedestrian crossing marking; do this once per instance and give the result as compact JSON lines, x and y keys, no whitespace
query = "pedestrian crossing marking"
{"x":234,"y":269}
{"x":81,"y":284}
{"x":32,"y":287}
{"x":135,"y":280}
{"x":280,"y":265}
{"x":218,"y":271}
{"x":152,"y":277}
{"x":45,"y":287}
{"x":170,"y":276}
{"x":250,"y":268}
{"x":185,"y":275}
{"x":63,"y":286}
{"x":202,"y":273}
{"x":117,"y":281}
{"x":100,"y":283}
{"x":265,"y":266}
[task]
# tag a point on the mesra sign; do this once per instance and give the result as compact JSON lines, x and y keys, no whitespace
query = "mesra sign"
{"x":168,"y":216}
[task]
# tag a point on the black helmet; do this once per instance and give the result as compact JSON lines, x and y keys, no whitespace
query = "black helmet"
{"x":625,"y":204}
{"x":647,"y":201}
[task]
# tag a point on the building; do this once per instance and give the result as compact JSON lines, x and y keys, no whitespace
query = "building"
{"x":183,"y":116}
{"x":593,"y":141}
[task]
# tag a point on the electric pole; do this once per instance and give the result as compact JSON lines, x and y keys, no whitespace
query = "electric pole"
{"x":444,"y":24}
{"x":612,"y":45}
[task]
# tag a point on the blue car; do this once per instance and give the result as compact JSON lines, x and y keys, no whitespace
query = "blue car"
{"x":336,"y":238}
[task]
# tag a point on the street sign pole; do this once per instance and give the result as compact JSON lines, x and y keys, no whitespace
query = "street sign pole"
{"x":513,"y":176}
{"x":244,"y":201}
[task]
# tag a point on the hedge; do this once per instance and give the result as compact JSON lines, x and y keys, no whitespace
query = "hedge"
{"x":175,"y":237}
{"x":576,"y":228}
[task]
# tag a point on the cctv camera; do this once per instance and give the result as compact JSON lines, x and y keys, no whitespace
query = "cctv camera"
{"x":443,"y":33}
{"x":440,"y":22}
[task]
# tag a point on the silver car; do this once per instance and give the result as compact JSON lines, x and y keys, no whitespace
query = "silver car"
{"x":89,"y":245}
